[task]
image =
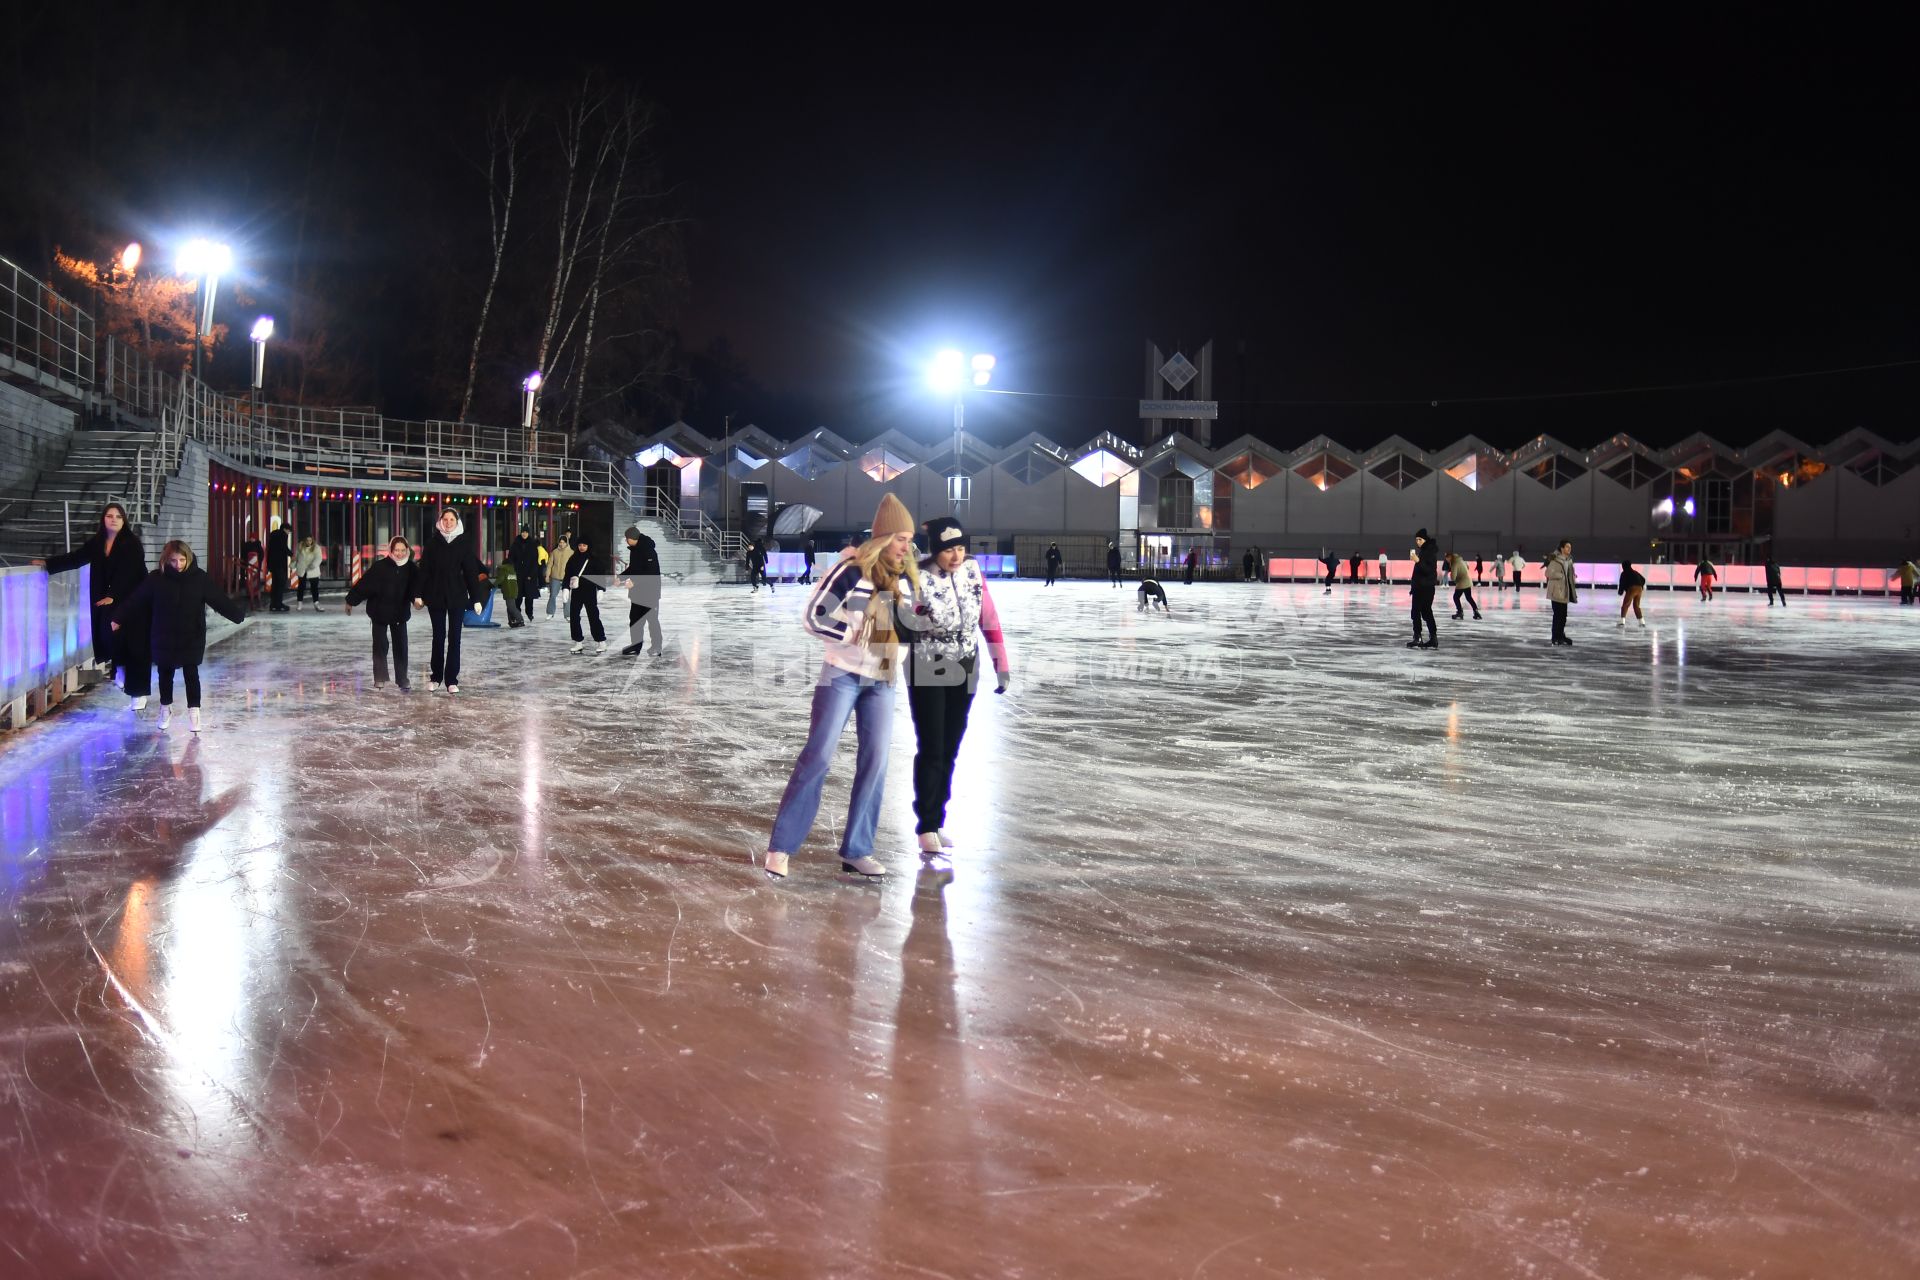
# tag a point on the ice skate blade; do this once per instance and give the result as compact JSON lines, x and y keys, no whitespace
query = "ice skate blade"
{"x":851,"y":872}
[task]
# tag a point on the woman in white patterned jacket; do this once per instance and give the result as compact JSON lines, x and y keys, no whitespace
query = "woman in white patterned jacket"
{"x":860,"y":608}
{"x":954,"y":610}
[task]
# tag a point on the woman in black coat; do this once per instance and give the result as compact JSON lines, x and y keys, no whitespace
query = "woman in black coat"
{"x":1426,"y":579}
{"x":389,"y":588}
{"x":586,"y":575}
{"x":450,"y":580}
{"x":119,"y":564}
{"x":175,"y":601}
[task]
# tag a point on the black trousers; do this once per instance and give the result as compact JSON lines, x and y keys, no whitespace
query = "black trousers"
{"x":1423,"y":612}
{"x":1906,"y":593}
{"x":1051,"y":571}
{"x":1773,"y":591}
{"x":444,"y":666}
{"x":939,"y":722}
{"x":1329,"y":581}
{"x":394,"y":633}
{"x":638,"y":614}
{"x":192,"y":675}
{"x":589,"y":601}
{"x":1559,"y":622}
{"x":1114,"y":574}
{"x":300,"y":592}
{"x":1465,"y":593}
{"x":279,"y":573}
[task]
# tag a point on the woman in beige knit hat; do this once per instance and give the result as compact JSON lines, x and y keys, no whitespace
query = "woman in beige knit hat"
{"x":859,"y":608}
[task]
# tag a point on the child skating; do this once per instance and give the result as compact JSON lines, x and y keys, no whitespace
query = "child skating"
{"x":173,"y":602}
{"x":388,"y":588}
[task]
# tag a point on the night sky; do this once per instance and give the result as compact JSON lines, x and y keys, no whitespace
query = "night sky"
{"x":1364,"y":218}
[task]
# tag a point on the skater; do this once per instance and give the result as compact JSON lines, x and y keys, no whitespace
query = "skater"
{"x":1262,"y":571}
{"x":1383,"y":564}
{"x":279,"y":553}
{"x":757,"y":565}
{"x":1703,"y":574}
{"x":1426,"y":580}
{"x":1113,"y":563}
{"x":117,"y":564}
{"x":1193,"y":562}
{"x":253,"y":568}
{"x":1246,"y":565}
{"x":450,"y":579}
{"x":306,"y":572}
{"x":1909,"y":574}
{"x":952,"y":611}
{"x":557,"y":558}
{"x":1774,"y":586}
{"x":1562,"y":589}
{"x":524,"y":556}
{"x":1332,"y":562}
{"x":1517,"y":564}
{"x":806,"y":564}
{"x":586,"y":575}
{"x":1462,"y":586}
{"x":1152,"y":593}
{"x":1053,"y":562}
{"x":1633,"y":585}
{"x":1479,"y":571}
{"x":641,"y":578}
{"x":173,"y":604}
{"x":388,"y":589}
{"x":1356,"y":569}
{"x":858,"y":610}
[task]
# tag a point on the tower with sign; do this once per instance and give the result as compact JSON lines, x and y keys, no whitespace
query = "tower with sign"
{"x":1179,"y":395}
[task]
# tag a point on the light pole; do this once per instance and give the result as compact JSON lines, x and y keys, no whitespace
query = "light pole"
{"x":949,"y":376}
{"x":262,"y":332}
{"x":209,"y":261}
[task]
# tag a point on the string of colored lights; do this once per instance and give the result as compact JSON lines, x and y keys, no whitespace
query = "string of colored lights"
{"x":303,"y":493}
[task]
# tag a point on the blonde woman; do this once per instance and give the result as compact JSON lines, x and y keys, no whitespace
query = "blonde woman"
{"x":859,"y":609}
{"x":306,"y":572}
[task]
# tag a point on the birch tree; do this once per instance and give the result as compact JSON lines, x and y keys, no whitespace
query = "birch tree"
{"x":506,"y":127}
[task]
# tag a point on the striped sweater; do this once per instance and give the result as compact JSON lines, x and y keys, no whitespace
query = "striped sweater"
{"x":837,"y":613}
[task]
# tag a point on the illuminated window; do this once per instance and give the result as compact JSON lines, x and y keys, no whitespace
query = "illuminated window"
{"x":1101,"y":467}
{"x":884,"y":464}
{"x":1554,"y":471}
{"x":1323,"y":471}
{"x":658,"y":453}
{"x":1250,"y":470}
{"x":810,"y":461}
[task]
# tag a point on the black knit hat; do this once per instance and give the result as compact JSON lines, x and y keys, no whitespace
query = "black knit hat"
{"x":1423,"y":535}
{"x":944,"y":533}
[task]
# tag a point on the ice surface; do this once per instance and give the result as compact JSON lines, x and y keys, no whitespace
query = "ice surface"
{"x":1272,"y":948}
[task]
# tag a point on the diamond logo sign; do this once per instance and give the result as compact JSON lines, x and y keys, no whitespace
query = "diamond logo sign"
{"x":1178,"y":371}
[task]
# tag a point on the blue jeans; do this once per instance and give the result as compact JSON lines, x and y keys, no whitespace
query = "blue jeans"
{"x":839,"y":694}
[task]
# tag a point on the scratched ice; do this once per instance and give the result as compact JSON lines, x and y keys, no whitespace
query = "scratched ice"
{"x":1272,"y":948}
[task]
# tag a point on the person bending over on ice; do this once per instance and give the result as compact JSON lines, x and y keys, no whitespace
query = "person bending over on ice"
{"x":1704,"y":573}
{"x":1633,"y":585}
{"x":861,"y":608}
{"x":1462,"y":586}
{"x":174,"y":603}
{"x":1151,"y":593}
{"x":953,"y":611}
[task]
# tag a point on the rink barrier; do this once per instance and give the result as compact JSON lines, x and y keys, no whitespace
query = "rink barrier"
{"x":785,"y":566}
{"x":1842,"y":581}
{"x":46,"y":635}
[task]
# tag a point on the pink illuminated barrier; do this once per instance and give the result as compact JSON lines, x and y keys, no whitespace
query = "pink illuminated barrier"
{"x":46,"y":633}
{"x":1660,"y":577}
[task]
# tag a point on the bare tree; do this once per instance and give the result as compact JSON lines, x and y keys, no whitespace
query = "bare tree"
{"x":506,"y":126}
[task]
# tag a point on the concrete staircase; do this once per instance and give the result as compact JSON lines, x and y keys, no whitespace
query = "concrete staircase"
{"x":689,"y":563}
{"x":99,"y":468}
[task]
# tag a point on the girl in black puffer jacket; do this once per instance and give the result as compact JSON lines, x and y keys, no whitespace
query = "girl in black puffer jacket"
{"x":174,"y":602}
{"x":389,"y":588}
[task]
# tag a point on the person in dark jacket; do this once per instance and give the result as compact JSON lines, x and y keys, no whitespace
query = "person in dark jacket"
{"x":1193,"y":562}
{"x":1246,"y":565}
{"x":1775,"y":587}
{"x":641,"y":578}
{"x":757,"y":564}
{"x":1113,"y":563}
{"x":1332,"y":562}
{"x":451,"y":578}
{"x":279,"y":561}
{"x":253,"y":567}
{"x":806,"y":564}
{"x":1152,"y":593}
{"x":586,"y":575}
{"x":524,"y":556}
{"x":1633,"y":585}
{"x":1053,"y":562}
{"x":1426,"y":579}
{"x":388,"y":588}
{"x":174,"y":603}
{"x":118,"y":564}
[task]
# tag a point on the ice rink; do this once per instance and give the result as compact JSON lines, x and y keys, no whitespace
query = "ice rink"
{"x":1271,"y":948}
